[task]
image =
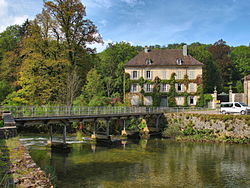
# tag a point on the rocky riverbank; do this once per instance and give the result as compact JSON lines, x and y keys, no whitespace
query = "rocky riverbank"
{"x":17,"y":167}
{"x":208,"y":127}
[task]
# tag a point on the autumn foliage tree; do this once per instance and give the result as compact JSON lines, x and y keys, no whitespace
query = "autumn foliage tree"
{"x":55,"y":56}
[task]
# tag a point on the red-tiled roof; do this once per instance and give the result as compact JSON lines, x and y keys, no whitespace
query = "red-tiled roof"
{"x":162,"y":57}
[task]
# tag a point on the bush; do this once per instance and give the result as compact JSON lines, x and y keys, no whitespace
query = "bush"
{"x":172,"y":131}
{"x":189,"y":131}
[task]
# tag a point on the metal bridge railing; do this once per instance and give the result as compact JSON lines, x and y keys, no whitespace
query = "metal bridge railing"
{"x":44,"y":111}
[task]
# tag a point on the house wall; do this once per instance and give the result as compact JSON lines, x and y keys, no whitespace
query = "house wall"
{"x":164,"y":73}
{"x":247,"y":91}
{"x":197,"y":71}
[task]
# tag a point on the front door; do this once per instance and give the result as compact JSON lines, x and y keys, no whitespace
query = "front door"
{"x":164,"y":102}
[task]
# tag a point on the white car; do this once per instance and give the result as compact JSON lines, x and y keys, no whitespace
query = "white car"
{"x":234,"y":107}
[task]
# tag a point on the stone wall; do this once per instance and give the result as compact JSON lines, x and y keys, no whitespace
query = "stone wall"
{"x":235,"y":126}
{"x":8,"y":132}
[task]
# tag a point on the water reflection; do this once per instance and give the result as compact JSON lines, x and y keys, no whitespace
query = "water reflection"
{"x":150,"y":163}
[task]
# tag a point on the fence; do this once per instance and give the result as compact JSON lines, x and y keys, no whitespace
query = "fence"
{"x":41,"y":111}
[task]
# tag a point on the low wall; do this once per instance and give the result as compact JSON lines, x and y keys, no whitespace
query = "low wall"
{"x":235,"y":126}
{"x":8,"y":132}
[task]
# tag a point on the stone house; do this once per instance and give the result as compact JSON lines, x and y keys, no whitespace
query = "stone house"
{"x":247,"y":89}
{"x":151,"y":68}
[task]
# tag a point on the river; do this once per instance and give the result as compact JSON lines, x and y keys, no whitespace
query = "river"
{"x":145,"y":163}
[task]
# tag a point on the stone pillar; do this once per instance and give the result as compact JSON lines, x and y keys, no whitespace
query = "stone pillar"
{"x":107,"y":129}
{"x":93,"y":136}
{"x":50,"y":135}
{"x":64,"y":134}
{"x":214,"y":98}
{"x":247,"y":89}
{"x":231,"y":94}
{"x":124,"y":133}
{"x":145,"y":129}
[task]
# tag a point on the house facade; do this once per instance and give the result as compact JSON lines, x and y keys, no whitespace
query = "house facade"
{"x":159,"y":74}
{"x":247,"y":89}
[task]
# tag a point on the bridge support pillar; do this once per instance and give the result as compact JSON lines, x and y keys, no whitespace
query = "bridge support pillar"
{"x":64,"y":134}
{"x":157,"y":121}
{"x":107,"y":128}
{"x":50,"y":135}
{"x":124,"y":133}
{"x":145,"y":130}
{"x":93,"y":136}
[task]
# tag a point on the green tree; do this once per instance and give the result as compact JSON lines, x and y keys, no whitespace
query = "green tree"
{"x":241,"y":58}
{"x":211,"y":74}
{"x":10,"y":58}
{"x":111,"y":66}
{"x":5,"y":89}
{"x":70,"y":26}
{"x":239,"y":87}
{"x":94,"y":85}
{"x":10,"y":38}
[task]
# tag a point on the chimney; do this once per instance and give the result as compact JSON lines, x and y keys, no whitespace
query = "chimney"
{"x":185,"y":50}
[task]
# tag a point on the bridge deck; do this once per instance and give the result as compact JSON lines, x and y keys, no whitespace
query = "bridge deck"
{"x":75,"y":117}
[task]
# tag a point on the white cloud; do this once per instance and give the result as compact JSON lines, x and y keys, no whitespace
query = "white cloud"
{"x":133,"y":2}
{"x":99,"y":46}
{"x":9,"y":19}
{"x":3,"y":8}
{"x":98,"y":3}
{"x":104,"y":23}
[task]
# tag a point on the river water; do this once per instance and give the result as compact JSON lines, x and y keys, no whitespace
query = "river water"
{"x":145,"y":163}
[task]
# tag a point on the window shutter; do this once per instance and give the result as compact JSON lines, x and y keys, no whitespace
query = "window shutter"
{"x":138,"y":74}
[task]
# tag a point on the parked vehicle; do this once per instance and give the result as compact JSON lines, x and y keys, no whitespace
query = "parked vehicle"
{"x":234,"y":107}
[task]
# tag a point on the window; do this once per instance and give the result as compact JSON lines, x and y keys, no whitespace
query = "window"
{"x":237,"y":105}
{"x":135,"y":100}
{"x":191,"y":87}
{"x":134,"y":74}
{"x":227,"y":105}
{"x":191,"y":75}
{"x":179,"y":75}
{"x":133,"y":87}
{"x":164,"y":75}
{"x":178,"y":101}
{"x":149,"y":61}
{"x":179,"y":88}
{"x":148,"y":74}
{"x":148,"y":88}
{"x":163,"y":87}
{"x":179,"y":61}
{"x":191,"y":100}
{"x":148,"y":100}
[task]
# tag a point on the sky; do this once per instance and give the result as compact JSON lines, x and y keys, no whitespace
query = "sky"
{"x":151,"y":22}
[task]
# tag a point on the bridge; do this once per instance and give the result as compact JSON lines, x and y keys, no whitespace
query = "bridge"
{"x":51,"y":115}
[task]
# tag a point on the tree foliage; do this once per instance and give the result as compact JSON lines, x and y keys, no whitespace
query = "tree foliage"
{"x":221,"y":56}
{"x":111,"y":66}
{"x":52,"y":61}
{"x":94,"y":86}
{"x":241,"y":58}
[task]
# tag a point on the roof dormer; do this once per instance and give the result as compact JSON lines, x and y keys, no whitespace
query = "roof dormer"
{"x":149,"y":61}
{"x":179,"y":61}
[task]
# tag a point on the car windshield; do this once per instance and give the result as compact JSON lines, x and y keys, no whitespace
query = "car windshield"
{"x":243,"y":104}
